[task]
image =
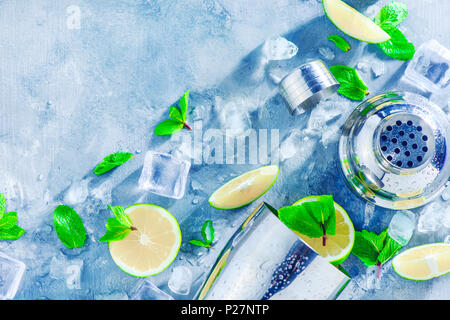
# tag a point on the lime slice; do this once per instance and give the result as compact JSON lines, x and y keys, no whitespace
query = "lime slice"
{"x":423,"y":262}
{"x":353,"y":23}
{"x":244,"y":189}
{"x":338,"y":245}
{"x":152,"y":247}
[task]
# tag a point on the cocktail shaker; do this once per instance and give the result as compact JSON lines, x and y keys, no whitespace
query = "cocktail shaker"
{"x":264,"y":260}
{"x":393,"y":150}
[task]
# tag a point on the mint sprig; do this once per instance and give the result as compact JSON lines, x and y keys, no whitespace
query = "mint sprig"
{"x":373,"y":249}
{"x":340,"y":42}
{"x":398,"y":46}
{"x":313,"y":219}
{"x":111,"y":161}
{"x":9,"y":230}
{"x":69,"y":227}
{"x":119,"y":227}
{"x":351,"y":85}
{"x":177,"y":118}
{"x":391,"y":15}
{"x":207,"y":235}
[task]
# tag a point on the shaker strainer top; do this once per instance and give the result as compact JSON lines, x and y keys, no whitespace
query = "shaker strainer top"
{"x":393,"y":150}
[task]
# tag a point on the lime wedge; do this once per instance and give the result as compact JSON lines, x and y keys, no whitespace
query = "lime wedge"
{"x":244,"y":189}
{"x":423,"y":262}
{"x":353,"y":23}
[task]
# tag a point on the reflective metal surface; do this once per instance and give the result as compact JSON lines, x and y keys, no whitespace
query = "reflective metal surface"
{"x":393,"y":150}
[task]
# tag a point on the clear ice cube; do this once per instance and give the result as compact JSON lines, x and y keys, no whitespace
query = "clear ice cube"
{"x":11,"y":272}
{"x":429,"y":71}
{"x":164,"y":175}
{"x":401,"y":227}
{"x":180,"y":281}
{"x":279,"y":49}
{"x":149,"y":291}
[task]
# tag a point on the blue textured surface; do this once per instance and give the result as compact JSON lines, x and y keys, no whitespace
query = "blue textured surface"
{"x":74,"y":93}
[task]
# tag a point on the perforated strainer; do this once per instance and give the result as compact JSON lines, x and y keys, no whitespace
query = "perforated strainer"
{"x":393,"y":150}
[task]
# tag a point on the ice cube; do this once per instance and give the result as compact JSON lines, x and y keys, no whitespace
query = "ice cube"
{"x":377,"y":68}
{"x":180,"y":281}
{"x":148,"y":291}
{"x":429,"y":71}
{"x":279,"y":49}
{"x":433,"y":217}
{"x":363,"y":66}
{"x":165,"y":175}
{"x":11,"y":272}
{"x":446,"y":194}
{"x":402,"y":226}
{"x":77,"y":193}
{"x":327,"y":53}
{"x":67,"y":270}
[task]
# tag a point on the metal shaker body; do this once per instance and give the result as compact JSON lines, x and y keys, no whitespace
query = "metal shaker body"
{"x":393,"y":150}
{"x":264,"y":259}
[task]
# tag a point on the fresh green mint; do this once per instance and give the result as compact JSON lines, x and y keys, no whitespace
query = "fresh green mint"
{"x":69,"y":227}
{"x":351,"y":85}
{"x":119,"y":227}
{"x":177,"y":118}
{"x":314,"y":219}
{"x":207,"y":235}
{"x":112,"y":161}
{"x":9,"y":230}
{"x":340,"y":42}
{"x":373,"y":249}
{"x":391,"y":15}
{"x":398,"y":46}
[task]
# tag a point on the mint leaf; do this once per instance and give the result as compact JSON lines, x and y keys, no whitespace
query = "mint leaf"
{"x":69,"y":227}
{"x":115,"y":231}
{"x":175,"y":114}
{"x":112,"y":161}
{"x":391,"y":15}
{"x":352,"y":86}
{"x":397,"y":47}
{"x":208,"y":232}
{"x":391,"y":247}
{"x":119,"y":227}
{"x":2,"y":204}
{"x":200,"y":243}
{"x":13,"y":233}
{"x":8,"y":220}
{"x":207,"y":235}
{"x":184,"y":104}
{"x":121,"y":216}
{"x":298,"y":218}
{"x":340,"y":42}
{"x":373,"y":249}
{"x":168,"y":127}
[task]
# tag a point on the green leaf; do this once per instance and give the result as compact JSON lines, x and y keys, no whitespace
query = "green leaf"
{"x":112,"y":161}
{"x":368,"y":246}
{"x":184,"y":105}
{"x":121,"y":216}
{"x":391,"y":247}
{"x":208,"y":232}
{"x":351,"y":85}
{"x":2,"y":204}
{"x":327,"y":203}
{"x":391,"y":15}
{"x":8,"y":220}
{"x":397,"y":47}
{"x":13,"y":233}
{"x":340,"y":42}
{"x":298,"y":218}
{"x":69,"y":227}
{"x":175,"y":114}
{"x":199,"y":243}
{"x":168,"y":127}
{"x":116,"y":234}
